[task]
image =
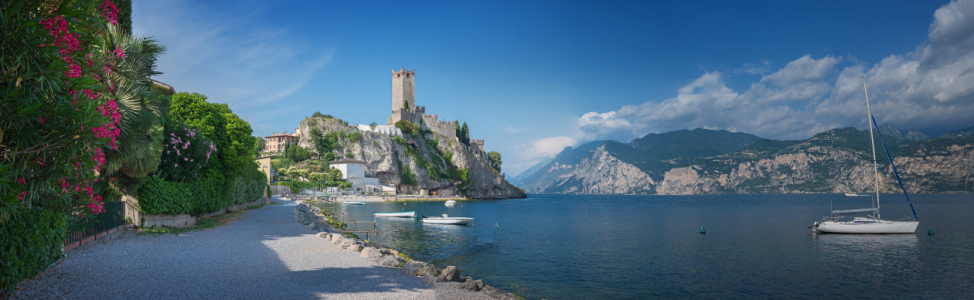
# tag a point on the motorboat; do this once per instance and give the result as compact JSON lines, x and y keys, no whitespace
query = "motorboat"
{"x":405,"y":214}
{"x":445,"y":219}
{"x":872,"y":223}
{"x":450,"y":203}
{"x":354,"y":202}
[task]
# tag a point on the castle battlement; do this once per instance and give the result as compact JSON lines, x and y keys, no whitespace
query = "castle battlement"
{"x":404,"y":106}
{"x":477,"y":144}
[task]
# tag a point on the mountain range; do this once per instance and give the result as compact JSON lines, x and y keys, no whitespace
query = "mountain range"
{"x":702,"y":161}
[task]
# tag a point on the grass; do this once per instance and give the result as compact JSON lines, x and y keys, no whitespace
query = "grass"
{"x":201,"y":224}
{"x":520,"y":290}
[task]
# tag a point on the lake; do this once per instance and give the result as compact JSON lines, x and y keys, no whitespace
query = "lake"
{"x":639,"y":247}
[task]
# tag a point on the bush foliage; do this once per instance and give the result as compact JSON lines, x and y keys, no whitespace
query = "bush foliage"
{"x":29,"y":244}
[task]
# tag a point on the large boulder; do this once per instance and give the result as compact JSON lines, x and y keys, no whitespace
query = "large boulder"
{"x":387,"y":261}
{"x":418,"y":268}
{"x":370,"y":252}
{"x":354,"y":247}
{"x":346,"y":243}
{"x":337,"y":238}
{"x":324,"y":235}
{"x":473,"y":285}
{"x":450,"y":274}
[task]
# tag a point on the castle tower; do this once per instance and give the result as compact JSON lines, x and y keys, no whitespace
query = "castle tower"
{"x":403,"y":89}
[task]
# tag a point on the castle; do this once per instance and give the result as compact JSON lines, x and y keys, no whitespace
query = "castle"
{"x":404,"y":108}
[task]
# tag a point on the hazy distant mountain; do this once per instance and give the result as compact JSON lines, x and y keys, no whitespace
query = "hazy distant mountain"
{"x":711,"y":162}
{"x":905,"y":134}
{"x":516,"y":180}
{"x":959,"y":134}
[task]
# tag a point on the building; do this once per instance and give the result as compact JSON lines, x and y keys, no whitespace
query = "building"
{"x":389,"y":130}
{"x":264,"y":165}
{"x":277,"y":141}
{"x":353,"y":171}
{"x":477,"y":145}
{"x":404,"y":106}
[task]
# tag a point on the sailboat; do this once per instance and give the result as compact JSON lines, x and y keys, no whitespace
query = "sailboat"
{"x":872,"y":223}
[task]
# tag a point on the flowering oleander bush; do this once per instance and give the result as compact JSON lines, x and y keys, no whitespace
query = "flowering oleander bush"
{"x":57,"y":112}
{"x":185,"y":153}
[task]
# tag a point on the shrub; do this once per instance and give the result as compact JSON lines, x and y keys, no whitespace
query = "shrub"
{"x":354,"y":137}
{"x":29,"y":242}
{"x":399,"y":140}
{"x":186,"y":153}
{"x":406,"y":126}
{"x":406,"y":176}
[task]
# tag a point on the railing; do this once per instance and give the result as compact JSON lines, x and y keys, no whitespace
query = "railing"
{"x":83,"y":227}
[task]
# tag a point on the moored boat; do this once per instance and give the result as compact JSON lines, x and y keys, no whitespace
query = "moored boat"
{"x":445,"y":219}
{"x":872,"y":224}
{"x":405,"y":214}
{"x":354,"y":202}
{"x":450,"y":203}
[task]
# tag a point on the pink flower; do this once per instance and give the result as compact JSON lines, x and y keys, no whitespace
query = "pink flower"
{"x":119,"y":53}
{"x":177,"y":165}
{"x":21,"y":197}
{"x":42,"y":119}
{"x":74,"y":70}
{"x":21,"y":181}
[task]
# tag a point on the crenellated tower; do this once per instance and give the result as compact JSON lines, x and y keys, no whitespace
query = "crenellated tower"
{"x":403,"y":88}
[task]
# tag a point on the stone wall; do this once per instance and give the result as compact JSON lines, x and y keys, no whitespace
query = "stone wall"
{"x":447,"y":129}
{"x":403,"y":88}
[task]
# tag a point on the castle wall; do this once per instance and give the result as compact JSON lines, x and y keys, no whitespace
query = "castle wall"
{"x":403,"y":88}
{"x":444,"y":128}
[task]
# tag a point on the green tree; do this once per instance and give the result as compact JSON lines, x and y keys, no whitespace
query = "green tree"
{"x":495,"y":160}
{"x":373,"y":126}
{"x":465,"y":134}
{"x":459,"y":132}
{"x":298,"y":153}
{"x":231,"y":134}
{"x":259,"y":145}
{"x":124,"y":15}
{"x":143,"y":113}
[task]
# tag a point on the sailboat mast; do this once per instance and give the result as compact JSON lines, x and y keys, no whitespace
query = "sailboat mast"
{"x":873,"y":142}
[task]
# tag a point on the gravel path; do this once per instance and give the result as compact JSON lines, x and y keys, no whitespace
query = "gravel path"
{"x":264,"y":255}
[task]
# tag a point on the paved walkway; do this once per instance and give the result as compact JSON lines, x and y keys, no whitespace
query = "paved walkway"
{"x":264,"y":255}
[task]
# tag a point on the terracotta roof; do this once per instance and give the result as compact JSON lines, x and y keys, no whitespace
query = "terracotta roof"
{"x":345,"y":161}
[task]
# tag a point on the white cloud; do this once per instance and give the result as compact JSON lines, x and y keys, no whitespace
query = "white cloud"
{"x":223,"y":53}
{"x":929,"y":89}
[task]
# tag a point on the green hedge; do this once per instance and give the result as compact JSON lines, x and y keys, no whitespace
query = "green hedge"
{"x":203,"y":195}
{"x":30,"y":241}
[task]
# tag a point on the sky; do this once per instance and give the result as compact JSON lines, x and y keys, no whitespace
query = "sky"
{"x":532,"y":77}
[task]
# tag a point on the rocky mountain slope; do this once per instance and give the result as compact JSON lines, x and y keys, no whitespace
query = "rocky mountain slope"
{"x":836,"y":161}
{"x":447,"y":167}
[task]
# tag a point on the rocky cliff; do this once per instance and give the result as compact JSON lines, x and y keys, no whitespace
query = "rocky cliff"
{"x":832,"y":162}
{"x":444,"y":166}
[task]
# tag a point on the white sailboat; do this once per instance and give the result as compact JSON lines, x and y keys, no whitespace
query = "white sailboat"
{"x":872,"y":223}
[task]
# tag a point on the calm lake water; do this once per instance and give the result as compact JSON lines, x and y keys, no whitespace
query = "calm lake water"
{"x":639,"y":247}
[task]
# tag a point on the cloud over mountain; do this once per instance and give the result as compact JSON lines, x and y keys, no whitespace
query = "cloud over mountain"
{"x":929,"y":89}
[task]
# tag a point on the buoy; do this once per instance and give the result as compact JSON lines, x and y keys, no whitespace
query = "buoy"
{"x":497,"y":225}
{"x":929,"y":231}
{"x":703,"y":231}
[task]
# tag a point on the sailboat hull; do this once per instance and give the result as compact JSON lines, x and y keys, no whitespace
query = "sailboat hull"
{"x":871,"y":227}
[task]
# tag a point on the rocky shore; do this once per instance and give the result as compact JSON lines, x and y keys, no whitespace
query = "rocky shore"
{"x":448,"y":277}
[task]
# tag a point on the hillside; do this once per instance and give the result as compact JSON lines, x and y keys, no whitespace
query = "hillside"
{"x":835,"y":161}
{"x":432,"y":161}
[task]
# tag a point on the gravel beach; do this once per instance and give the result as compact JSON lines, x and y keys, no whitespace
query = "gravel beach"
{"x":264,"y":255}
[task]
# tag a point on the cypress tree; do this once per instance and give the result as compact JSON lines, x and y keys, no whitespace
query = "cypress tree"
{"x":466,"y":134}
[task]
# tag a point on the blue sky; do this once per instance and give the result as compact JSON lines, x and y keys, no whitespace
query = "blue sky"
{"x":532,"y":77}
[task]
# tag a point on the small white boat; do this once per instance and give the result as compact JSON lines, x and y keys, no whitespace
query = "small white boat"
{"x":405,"y":214}
{"x":856,"y":195}
{"x":451,"y":203}
{"x":447,"y":220}
{"x":354,"y":202}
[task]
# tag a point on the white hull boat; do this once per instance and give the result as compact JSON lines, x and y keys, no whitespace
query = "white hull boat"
{"x":354,"y":202}
{"x":873,"y":224}
{"x":450,"y":203}
{"x":447,"y":220}
{"x":867,"y":225}
{"x":405,"y":214}
{"x":855,"y":195}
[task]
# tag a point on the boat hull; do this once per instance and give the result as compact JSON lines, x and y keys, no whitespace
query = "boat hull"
{"x":354,"y":202}
{"x":448,"y":221}
{"x":406,"y":214}
{"x":877,"y":227}
{"x":450,"y":203}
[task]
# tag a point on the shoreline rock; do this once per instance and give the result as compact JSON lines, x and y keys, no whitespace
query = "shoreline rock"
{"x":312,"y":218}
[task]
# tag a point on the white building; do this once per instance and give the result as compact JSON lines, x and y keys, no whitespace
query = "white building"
{"x":389,"y":130}
{"x":353,"y":171}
